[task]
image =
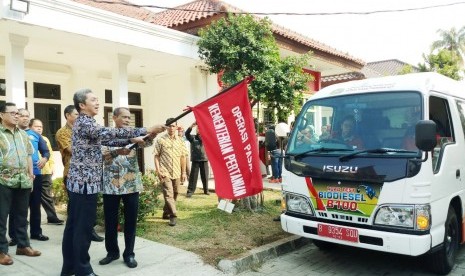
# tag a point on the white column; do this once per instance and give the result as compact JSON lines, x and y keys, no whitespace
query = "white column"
{"x":15,"y":70}
{"x":120,"y":82}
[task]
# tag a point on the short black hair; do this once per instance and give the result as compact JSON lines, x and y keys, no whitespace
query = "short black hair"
{"x":4,"y":105}
{"x":31,"y":122}
{"x":69,"y":109}
{"x":169,"y":121}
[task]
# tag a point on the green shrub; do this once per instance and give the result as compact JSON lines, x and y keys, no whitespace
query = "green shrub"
{"x":58,"y":191}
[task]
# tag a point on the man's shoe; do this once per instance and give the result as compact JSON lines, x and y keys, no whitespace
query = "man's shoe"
{"x":189,"y":195}
{"x":278,"y":218}
{"x":108,"y":259}
{"x":207,"y":193}
{"x":55,"y":221}
{"x":92,"y":274}
{"x":40,"y":237}
{"x":165,"y":216}
{"x":96,"y":237}
{"x":131,"y":262}
{"x":27,"y":251}
{"x":172,"y":222}
{"x":12,"y":242}
{"x":5,"y":259}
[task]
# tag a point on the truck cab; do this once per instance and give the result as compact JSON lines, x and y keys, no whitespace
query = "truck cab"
{"x":383,"y":169}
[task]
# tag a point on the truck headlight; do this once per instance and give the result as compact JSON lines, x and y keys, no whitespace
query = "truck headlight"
{"x":406,"y":216}
{"x":298,"y":204}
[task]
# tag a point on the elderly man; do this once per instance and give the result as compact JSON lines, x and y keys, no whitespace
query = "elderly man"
{"x":15,"y":182}
{"x":84,"y":180}
{"x":122,"y":181}
{"x":63,"y":138}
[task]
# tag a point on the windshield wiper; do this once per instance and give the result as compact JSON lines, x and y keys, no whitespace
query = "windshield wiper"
{"x":322,"y":149}
{"x":378,"y":150}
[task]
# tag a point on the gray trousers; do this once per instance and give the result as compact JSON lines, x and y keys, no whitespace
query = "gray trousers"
{"x":46,"y":197}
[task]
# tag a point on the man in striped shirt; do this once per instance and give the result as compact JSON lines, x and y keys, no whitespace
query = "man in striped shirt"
{"x":170,"y":163}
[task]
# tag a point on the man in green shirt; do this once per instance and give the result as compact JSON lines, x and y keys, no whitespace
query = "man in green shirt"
{"x":16,"y":177}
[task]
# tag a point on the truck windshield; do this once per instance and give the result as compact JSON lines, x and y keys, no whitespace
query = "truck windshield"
{"x":358,"y":122}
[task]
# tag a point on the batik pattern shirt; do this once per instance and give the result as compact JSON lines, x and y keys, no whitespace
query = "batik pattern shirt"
{"x":15,"y":150}
{"x":170,"y":150}
{"x":121,"y":174}
{"x":63,"y":138}
{"x":85,"y":169}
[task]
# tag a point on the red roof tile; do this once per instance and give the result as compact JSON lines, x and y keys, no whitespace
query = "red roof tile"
{"x":202,"y":9}
{"x":120,"y":7}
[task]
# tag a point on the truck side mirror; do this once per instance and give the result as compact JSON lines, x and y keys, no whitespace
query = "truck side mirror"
{"x":425,"y":135}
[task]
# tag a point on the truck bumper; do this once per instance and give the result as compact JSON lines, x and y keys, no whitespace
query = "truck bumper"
{"x":413,"y":245}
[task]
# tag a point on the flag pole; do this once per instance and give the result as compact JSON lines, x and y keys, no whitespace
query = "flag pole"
{"x":248,"y":79}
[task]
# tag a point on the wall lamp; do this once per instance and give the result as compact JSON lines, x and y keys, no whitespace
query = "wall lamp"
{"x":20,"y":6}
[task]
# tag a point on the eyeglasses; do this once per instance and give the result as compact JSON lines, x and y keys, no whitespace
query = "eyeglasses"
{"x":12,"y":113}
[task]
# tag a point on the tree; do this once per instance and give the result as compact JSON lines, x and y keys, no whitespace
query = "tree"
{"x":451,"y":40}
{"x":445,"y":62}
{"x":406,"y":69}
{"x":240,"y":46}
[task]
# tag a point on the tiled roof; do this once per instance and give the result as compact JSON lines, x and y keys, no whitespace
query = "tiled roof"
{"x":383,"y":68}
{"x":121,"y":7}
{"x":343,"y":77}
{"x":203,"y":9}
{"x":209,"y":8}
{"x":191,"y":12}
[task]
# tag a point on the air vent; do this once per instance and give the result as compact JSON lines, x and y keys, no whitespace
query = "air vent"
{"x":323,"y":214}
{"x":342,"y":217}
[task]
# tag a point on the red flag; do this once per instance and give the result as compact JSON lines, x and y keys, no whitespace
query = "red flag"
{"x":228,"y":135}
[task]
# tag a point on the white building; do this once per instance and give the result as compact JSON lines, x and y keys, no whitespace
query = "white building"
{"x":49,"y":49}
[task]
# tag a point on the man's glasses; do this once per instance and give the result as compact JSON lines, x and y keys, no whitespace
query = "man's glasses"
{"x":12,"y":113}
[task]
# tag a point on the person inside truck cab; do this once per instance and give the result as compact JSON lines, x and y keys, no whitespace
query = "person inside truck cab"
{"x":409,"y":138}
{"x":307,"y":136}
{"x":347,"y":133}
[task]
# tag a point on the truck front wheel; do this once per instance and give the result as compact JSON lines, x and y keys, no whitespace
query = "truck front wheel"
{"x":443,"y":260}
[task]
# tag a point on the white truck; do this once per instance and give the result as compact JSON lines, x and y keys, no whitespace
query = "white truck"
{"x":384,"y":169}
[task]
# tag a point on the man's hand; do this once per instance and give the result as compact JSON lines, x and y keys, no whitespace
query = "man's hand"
{"x":156,"y":129}
{"x":41,"y":163}
{"x":106,"y":154}
{"x":183,"y":177}
{"x":160,"y":175}
{"x":123,"y":151}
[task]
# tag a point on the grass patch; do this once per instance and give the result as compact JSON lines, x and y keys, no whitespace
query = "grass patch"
{"x":211,"y":233}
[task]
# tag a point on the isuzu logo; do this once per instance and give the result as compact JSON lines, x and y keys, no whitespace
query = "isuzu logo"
{"x":340,"y":169}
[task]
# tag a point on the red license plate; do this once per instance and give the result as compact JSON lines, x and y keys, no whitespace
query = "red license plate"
{"x":337,"y":232}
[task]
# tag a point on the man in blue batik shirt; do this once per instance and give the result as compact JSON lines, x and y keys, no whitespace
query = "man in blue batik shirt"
{"x":85,"y":178}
